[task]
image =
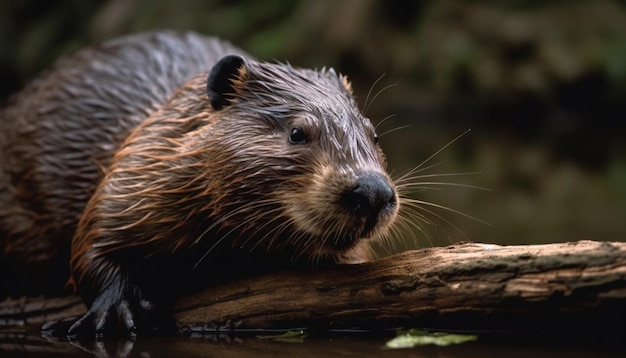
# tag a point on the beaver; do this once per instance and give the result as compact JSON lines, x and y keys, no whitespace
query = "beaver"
{"x":160,"y":162}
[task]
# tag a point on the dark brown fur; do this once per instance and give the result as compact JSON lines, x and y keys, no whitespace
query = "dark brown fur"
{"x":199,"y":190}
{"x":58,"y":134}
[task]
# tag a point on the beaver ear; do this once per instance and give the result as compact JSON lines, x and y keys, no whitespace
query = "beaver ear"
{"x":224,"y":79}
{"x":346,"y":84}
{"x":344,"y":80}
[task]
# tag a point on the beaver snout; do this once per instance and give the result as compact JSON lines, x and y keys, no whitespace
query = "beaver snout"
{"x":371,"y":196}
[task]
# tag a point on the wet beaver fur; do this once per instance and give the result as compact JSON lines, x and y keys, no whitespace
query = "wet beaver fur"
{"x":172,"y":161}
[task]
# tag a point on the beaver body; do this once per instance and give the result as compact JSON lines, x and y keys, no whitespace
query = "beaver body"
{"x":170,"y":161}
{"x":57,"y":137}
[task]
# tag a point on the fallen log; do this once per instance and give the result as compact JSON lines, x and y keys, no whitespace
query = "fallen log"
{"x":471,"y":287}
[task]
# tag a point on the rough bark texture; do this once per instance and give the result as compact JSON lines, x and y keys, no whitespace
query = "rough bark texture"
{"x":475,"y":287}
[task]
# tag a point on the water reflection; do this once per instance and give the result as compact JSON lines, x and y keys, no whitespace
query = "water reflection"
{"x":30,"y":344}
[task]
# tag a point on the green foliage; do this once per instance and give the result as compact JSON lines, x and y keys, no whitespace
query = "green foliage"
{"x":415,"y":337}
{"x":287,"y":337}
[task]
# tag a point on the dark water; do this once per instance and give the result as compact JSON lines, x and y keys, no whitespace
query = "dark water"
{"x":32,"y":345}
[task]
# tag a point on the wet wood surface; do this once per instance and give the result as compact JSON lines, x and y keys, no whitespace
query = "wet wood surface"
{"x":473,"y":287}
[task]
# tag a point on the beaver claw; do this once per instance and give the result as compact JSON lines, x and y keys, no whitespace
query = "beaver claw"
{"x":112,"y":312}
{"x":101,"y":315}
{"x":121,"y":313}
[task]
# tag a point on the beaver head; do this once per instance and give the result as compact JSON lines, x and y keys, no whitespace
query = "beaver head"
{"x":262,"y":157}
{"x":297,"y":136}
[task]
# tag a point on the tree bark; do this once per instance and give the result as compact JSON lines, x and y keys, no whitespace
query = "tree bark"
{"x":474,"y":287}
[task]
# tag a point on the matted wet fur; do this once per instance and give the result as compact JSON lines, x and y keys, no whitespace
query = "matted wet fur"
{"x":246,"y":168}
{"x":58,"y":134}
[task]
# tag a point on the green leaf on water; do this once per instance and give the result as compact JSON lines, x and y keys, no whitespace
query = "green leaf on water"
{"x":414,"y":337}
{"x":297,"y":336}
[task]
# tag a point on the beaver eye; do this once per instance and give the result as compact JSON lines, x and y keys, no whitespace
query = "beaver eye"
{"x":297,"y":136}
{"x":375,"y":138}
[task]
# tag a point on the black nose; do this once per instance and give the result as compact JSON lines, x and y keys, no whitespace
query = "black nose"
{"x":370,"y":195}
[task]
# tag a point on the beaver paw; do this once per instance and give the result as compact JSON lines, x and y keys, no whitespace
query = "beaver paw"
{"x":100,"y":316}
{"x":100,"y":320}
{"x":112,"y":313}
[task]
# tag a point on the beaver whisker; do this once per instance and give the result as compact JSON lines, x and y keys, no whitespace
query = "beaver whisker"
{"x":210,"y":249}
{"x":390,"y":240}
{"x":432,"y":185}
{"x":417,"y":214}
{"x":439,"y":217}
{"x":414,"y":213}
{"x":368,"y":100}
{"x":384,"y":121}
{"x":240,"y":210}
{"x":292,"y":242}
{"x":300,"y":242}
{"x":417,"y":168}
{"x":319,"y":253}
{"x":275,"y":233}
{"x":304,"y":242}
{"x":410,"y":178}
{"x":414,"y":218}
{"x":217,"y":223}
{"x":393,"y":130}
{"x":332,"y":229}
{"x":395,"y":232}
{"x":419,"y":204}
{"x":369,"y":92}
{"x":378,"y":94}
{"x":317,"y":242}
{"x":302,"y":245}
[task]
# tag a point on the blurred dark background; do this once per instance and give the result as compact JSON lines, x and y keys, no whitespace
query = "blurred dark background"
{"x":541,"y":85}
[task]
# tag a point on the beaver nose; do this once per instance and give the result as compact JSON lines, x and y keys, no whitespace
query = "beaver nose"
{"x":370,"y":195}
